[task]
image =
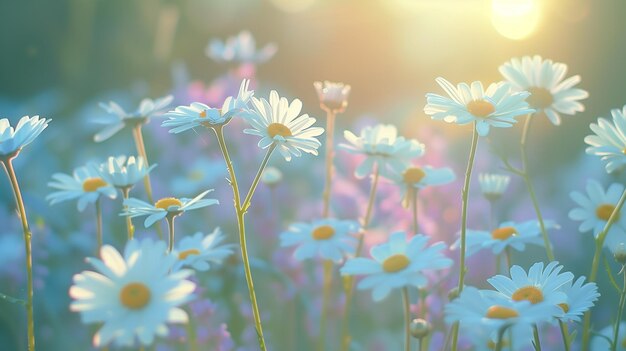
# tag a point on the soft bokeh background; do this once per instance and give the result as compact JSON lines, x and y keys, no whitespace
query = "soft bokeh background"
{"x":60,"y":58}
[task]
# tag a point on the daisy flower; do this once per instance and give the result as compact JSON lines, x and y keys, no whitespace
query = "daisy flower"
{"x":271,"y":176}
{"x":240,"y":48}
{"x":198,"y":114}
{"x":493,"y":185}
{"x":278,"y":123}
{"x":120,"y":118}
{"x":414,"y":178}
{"x":492,"y":311}
{"x":328,"y":239}
{"x":397,"y":264}
{"x":550,"y":94}
{"x":85,"y":184}
{"x":497,"y":106}
{"x":383,"y":148}
{"x":200,"y":252}
{"x":609,"y":140}
{"x":537,"y":286}
{"x":596,"y":208}
{"x":580,"y":298}
{"x":132,"y":295}
{"x":509,"y":234}
{"x":601,"y":341}
{"x":124,"y":172}
{"x":166,"y":206}
{"x":13,"y":139}
{"x":333,"y":96}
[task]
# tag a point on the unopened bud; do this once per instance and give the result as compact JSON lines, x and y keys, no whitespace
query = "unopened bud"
{"x":619,"y":253}
{"x":420,"y":328}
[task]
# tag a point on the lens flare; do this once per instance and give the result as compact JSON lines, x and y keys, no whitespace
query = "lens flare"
{"x":515,"y":19}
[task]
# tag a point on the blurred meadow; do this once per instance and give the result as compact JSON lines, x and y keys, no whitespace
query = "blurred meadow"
{"x":61,"y":58}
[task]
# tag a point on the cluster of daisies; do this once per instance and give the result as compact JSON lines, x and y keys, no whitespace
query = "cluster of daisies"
{"x":133,"y":295}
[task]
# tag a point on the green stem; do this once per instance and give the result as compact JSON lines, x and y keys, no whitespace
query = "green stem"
{"x":416,"y":227}
{"x":239,"y":209}
{"x":98,"y":226}
{"x":564,"y":335}
{"x":141,"y":151}
{"x":330,"y":131}
{"x":500,"y":340}
{"x":170,"y":230}
{"x":328,"y":279}
{"x":407,"y":319}
{"x":531,"y":189}
{"x":620,"y":309}
{"x":536,"y":338}
{"x":257,"y":178}
{"x":8,"y":167}
{"x":596,"y":262}
{"x":348,"y":281}
{"x":465,"y":198}
{"x":130,"y":230}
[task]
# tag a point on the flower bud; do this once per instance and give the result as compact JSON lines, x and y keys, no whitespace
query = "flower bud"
{"x":420,"y":328}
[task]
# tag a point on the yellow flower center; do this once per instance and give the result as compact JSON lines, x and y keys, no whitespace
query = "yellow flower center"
{"x":564,"y":307}
{"x":480,"y":108}
{"x":529,"y":293}
{"x":166,"y":202}
{"x":93,"y":184}
{"x":395,"y":263}
{"x":275,"y":129}
{"x":503,"y":233}
{"x":604,"y":211}
{"x":203,"y":114}
{"x":539,"y":97}
{"x":323,"y":232}
{"x":501,"y":312}
{"x":413,"y":175}
{"x":184,"y":254}
{"x":135,"y":295}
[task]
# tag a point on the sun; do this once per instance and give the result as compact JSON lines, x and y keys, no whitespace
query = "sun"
{"x":515,"y":19}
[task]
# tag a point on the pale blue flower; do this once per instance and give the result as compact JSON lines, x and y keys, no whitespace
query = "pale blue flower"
{"x":489,"y":311}
{"x":198,"y":114}
{"x":271,"y":176}
{"x":333,"y":96}
{"x":164,"y":207}
{"x":120,"y":118}
{"x":132,"y":297}
{"x":509,"y":234}
{"x":240,"y":48}
{"x":497,"y":106}
{"x":12,"y":140}
{"x":609,"y":140}
{"x":383,"y":148}
{"x":201,"y":252}
{"x":550,"y":94}
{"x":493,"y":185}
{"x":580,"y":298}
{"x":414,"y":178}
{"x":279,"y":122}
{"x":124,"y":172}
{"x":602,"y":340}
{"x":538,"y":286}
{"x":595,"y":209}
{"x":397,"y":264}
{"x":329,"y":239}
{"x":85,"y":184}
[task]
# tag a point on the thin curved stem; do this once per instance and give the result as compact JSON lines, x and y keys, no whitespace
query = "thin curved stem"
{"x":170,"y":231}
{"x":328,"y":280}
{"x":330,"y":131}
{"x":407,"y":319}
{"x":500,"y":340}
{"x":141,"y":151}
{"x":257,"y":178}
{"x":349,"y":280}
{"x":620,"y":309}
{"x":536,"y":338}
{"x":465,"y":198}
{"x":8,"y":167}
{"x":130,"y":230}
{"x":240,"y":212}
{"x":531,"y":189}
{"x":98,"y":226}
{"x":564,"y":335}
{"x":597,"y":256}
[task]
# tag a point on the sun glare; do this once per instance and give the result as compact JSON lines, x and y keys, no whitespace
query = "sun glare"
{"x":515,"y":19}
